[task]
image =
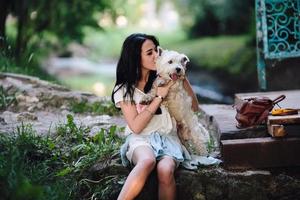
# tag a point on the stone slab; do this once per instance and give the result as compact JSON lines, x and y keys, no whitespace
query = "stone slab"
{"x":292,"y":99}
{"x":222,"y":117}
{"x":283,"y":130}
{"x":288,"y":119}
{"x":260,"y":152}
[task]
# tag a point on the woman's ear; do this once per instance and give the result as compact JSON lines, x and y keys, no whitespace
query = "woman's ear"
{"x":159,"y":50}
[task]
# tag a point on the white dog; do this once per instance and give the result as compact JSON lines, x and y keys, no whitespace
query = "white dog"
{"x":172,"y":65}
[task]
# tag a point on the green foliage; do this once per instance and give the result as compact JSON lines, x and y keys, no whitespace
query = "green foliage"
{"x":216,"y":17}
{"x":58,"y":18}
{"x":211,"y":145}
{"x":38,"y":27}
{"x":6,"y":56}
{"x":29,"y":60}
{"x":99,"y":108}
{"x":228,"y":53}
{"x":88,"y":83}
{"x":6,"y":99}
{"x":22,"y":158}
{"x":111,"y":40}
{"x":85,"y":150}
{"x":56,"y":167}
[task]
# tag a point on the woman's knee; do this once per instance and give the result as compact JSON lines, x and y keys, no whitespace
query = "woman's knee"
{"x":144,"y":157}
{"x":147,"y":163}
{"x":165,"y":171}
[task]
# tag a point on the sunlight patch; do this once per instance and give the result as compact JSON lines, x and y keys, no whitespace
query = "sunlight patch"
{"x":99,"y":89}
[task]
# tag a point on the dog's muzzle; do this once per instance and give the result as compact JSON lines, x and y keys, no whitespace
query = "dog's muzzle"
{"x":174,"y":76}
{"x":177,"y":74}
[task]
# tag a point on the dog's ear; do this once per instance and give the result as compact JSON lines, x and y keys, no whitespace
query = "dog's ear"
{"x":184,"y":60}
{"x":159,"y":50}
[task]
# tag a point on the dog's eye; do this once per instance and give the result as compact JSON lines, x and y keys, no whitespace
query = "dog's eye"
{"x":170,"y":62}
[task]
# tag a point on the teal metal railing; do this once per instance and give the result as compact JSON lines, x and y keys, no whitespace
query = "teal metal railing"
{"x":277,"y":31}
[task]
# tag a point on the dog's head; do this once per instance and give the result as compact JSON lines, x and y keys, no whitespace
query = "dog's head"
{"x":171,"y":64}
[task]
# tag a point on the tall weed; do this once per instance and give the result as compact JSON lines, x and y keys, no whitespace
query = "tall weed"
{"x":6,"y":99}
{"x":52,"y":167}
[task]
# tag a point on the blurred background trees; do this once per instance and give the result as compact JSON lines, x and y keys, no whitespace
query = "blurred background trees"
{"x":39,"y":21}
{"x":220,"y":17}
{"x":218,"y":36}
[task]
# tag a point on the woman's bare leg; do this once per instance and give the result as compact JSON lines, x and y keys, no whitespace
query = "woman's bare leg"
{"x":166,"y":179}
{"x":144,"y":161}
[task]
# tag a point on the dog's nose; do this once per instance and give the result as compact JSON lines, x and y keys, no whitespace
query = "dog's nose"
{"x":178,"y":69}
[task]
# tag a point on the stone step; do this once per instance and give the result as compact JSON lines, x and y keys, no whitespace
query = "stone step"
{"x":213,"y":183}
{"x":253,"y":147}
{"x":284,"y":126}
{"x":283,"y":130}
{"x":288,"y":119}
{"x":292,"y":99}
{"x":260,"y":152}
{"x":222,"y":119}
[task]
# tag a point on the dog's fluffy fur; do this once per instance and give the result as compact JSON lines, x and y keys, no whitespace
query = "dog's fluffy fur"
{"x":172,"y":65}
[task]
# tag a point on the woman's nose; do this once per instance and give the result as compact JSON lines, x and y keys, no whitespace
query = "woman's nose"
{"x":155,"y":54}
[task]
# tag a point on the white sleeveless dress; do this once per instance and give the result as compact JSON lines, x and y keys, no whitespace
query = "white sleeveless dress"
{"x":160,"y":135}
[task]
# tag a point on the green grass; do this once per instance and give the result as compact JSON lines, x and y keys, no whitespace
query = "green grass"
{"x":229,"y":53}
{"x":97,"y":108}
{"x":31,"y":57}
{"x":90,"y":82}
{"x":107,"y":44}
{"x":225,"y":53}
{"x":29,"y":63}
{"x":6,"y":99}
{"x":54,"y":167}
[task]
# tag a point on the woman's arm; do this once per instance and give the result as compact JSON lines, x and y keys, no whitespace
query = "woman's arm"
{"x":187,"y":86}
{"x":138,"y":121}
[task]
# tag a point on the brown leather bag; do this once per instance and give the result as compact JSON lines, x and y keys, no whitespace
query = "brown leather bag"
{"x":254,"y":111}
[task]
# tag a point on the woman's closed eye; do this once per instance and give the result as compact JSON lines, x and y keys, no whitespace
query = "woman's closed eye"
{"x":150,"y":51}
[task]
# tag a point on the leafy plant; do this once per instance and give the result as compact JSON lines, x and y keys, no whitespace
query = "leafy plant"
{"x":99,"y":108}
{"x":6,"y":99}
{"x":85,"y":149}
{"x":36,"y":167}
{"x":23,"y":156}
{"x":211,"y":144}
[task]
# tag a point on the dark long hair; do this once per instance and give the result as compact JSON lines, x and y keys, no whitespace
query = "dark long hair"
{"x":129,"y":65}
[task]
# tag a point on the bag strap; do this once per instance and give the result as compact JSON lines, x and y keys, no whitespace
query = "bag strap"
{"x":278,"y":99}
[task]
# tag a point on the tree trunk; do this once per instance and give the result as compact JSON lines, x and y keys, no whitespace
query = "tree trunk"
{"x":22,"y":13}
{"x":3,"y":14}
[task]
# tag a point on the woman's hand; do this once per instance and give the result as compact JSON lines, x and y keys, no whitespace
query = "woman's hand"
{"x":163,"y":90}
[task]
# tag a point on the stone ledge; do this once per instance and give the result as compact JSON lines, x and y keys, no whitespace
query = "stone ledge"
{"x":222,"y":118}
{"x":216,"y":183}
{"x":260,"y":152}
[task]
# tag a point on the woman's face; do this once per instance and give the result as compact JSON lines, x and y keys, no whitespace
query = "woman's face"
{"x":148,"y":55}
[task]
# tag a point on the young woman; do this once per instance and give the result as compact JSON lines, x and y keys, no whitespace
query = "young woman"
{"x":152,"y":140}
